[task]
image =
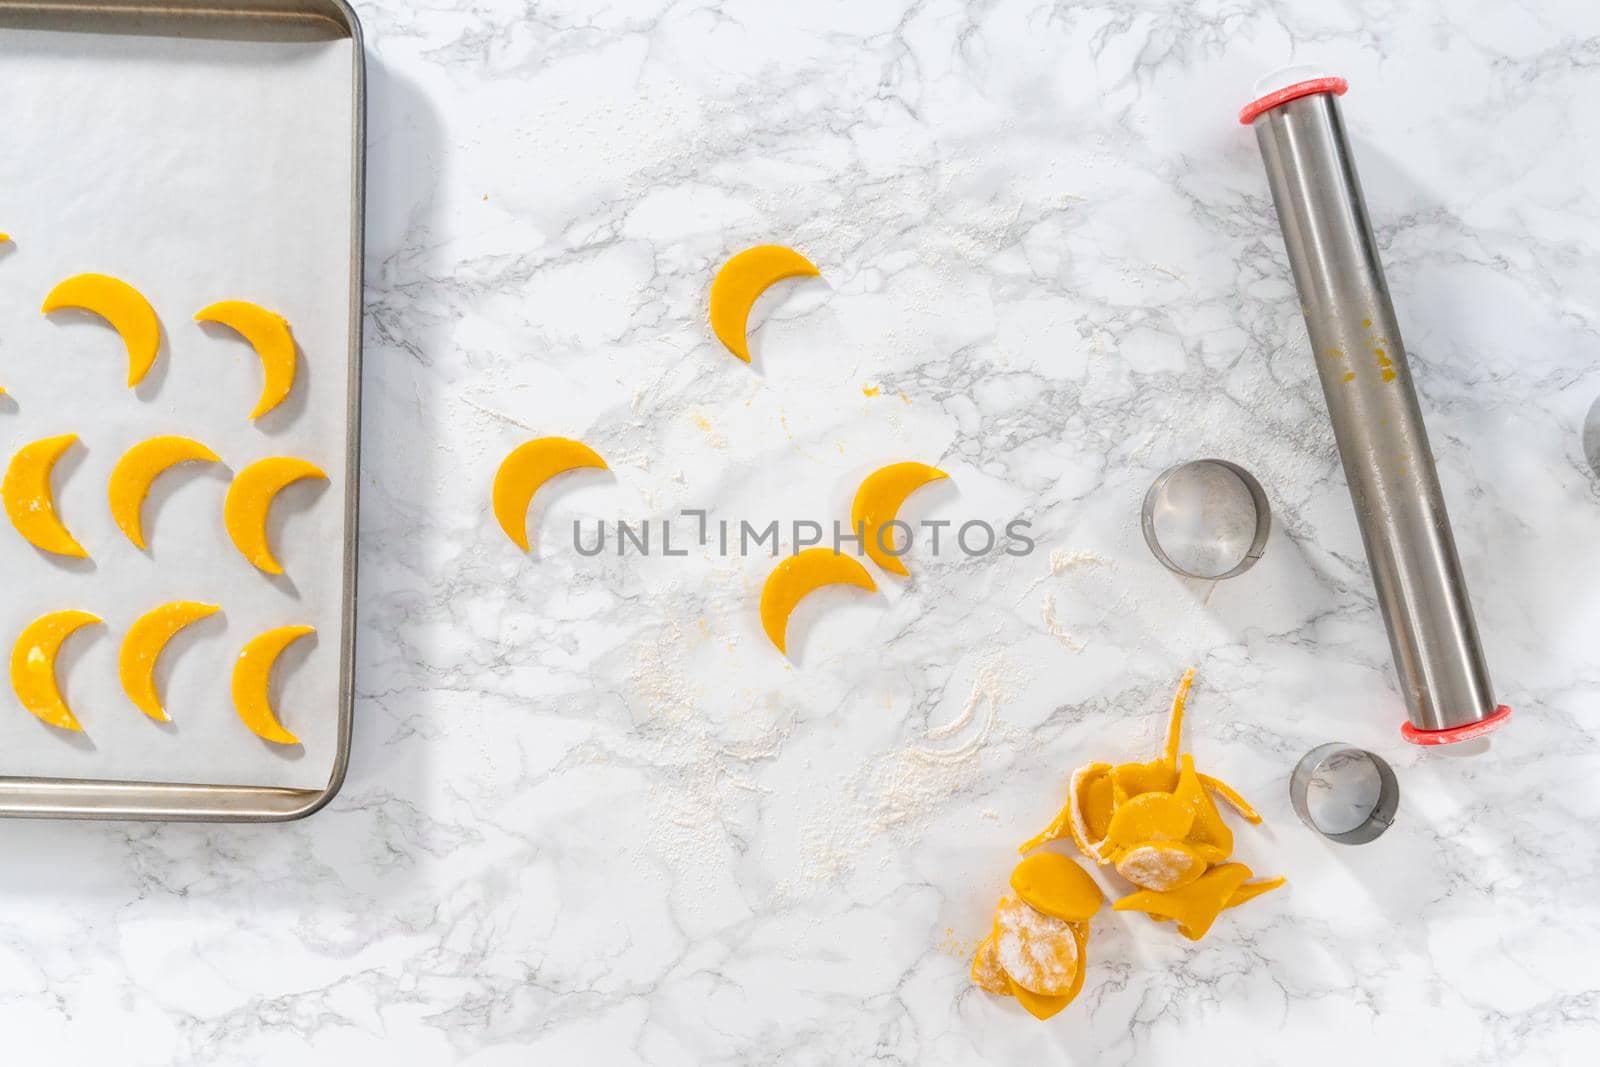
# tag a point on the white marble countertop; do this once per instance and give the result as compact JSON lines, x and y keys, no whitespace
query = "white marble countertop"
{"x":592,"y":816}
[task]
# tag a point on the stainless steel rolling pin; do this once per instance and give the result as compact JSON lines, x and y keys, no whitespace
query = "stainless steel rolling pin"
{"x":1373,"y":407}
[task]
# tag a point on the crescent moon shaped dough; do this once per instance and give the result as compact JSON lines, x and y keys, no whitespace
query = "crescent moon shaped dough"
{"x":141,"y":465}
{"x":800,"y":574}
{"x":528,"y":467}
{"x":33,"y":665}
{"x":878,"y":501}
{"x":268,"y":333}
{"x":244,"y":511}
{"x":120,"y":304}
{"x":744,"y":278}
{"x":29,"y":502}
{"x":149,"y":634}
{"x":252,"y":672}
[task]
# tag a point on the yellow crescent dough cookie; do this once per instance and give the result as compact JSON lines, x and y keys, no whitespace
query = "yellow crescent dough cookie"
{"x":744,"y":278}
{"x":120,"y":304}
{"x":525,"y":469}
{"x":877,"y":503}
{"x":252,"y":674}
{"x":1038,"y":952}
{"x":799,"y":575}
{"x":149,"y":634}
{"x":244,"y":511}
{"x":29,"y":501}
{"x":268,"y":333}
{"x":140,"y":466}
{"x":33,"y":665}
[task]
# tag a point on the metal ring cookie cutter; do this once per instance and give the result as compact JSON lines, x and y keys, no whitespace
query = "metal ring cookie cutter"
{"x":1330,"y":759}
{"x":1206,"y":519}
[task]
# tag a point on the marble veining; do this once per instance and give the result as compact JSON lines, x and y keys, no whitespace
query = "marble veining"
{"x":593,"y":817}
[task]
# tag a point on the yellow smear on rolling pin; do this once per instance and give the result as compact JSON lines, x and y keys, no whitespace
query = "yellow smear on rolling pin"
{"x":1386,"y":363}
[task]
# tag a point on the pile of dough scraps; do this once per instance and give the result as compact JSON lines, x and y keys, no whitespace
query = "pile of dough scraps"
{"x":1037,"y":949}
{"x":1157,"y":825}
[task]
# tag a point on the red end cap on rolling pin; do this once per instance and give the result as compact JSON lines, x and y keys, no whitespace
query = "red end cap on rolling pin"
{"x":1455,"y":733}
{"x":1278,"y":97}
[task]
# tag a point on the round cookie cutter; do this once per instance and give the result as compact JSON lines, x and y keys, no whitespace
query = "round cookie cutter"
{"x":1335,"y":769}
{"x":1206,"y":519}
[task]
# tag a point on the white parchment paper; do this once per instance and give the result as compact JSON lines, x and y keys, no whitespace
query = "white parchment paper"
{"x":196,"y":170}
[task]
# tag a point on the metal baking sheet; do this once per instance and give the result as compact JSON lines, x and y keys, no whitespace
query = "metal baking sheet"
{"x":201,"y":152}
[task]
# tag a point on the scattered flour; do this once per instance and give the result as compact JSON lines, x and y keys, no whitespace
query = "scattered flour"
{"x":1053,"y":625}
{"x":994,"y":683}
{"x":1062,"y":561}
{"x":953,"y":944}
{"x":896,"y":794}
{"x":701,"y":778}
{"x":496,"y":414}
